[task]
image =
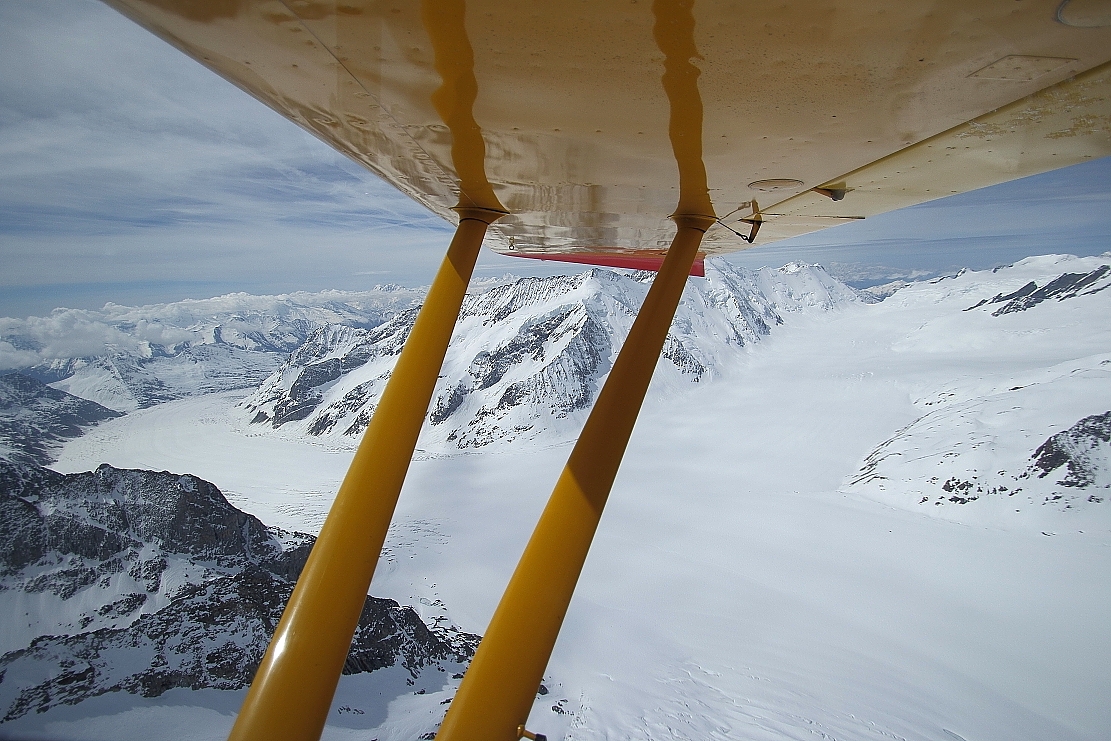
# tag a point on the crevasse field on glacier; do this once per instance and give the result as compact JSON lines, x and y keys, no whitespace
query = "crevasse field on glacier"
{"x":821,"y":538}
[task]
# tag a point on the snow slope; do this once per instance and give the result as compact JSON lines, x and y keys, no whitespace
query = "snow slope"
{"x":1034,"y":367}
{"x":744,"y":583}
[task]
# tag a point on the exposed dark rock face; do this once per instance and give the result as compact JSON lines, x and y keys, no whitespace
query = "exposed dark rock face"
{"x":111,"y":537}
{"x":205,"y":638}
{"x":35,"y":419}
{"x":1069,"y":285}
{"x":388,"y":633}
{"x":1071,"y":470}
{"x":1081,"y":449}
{"x":328,"y":354}
{"x":181,"y":514}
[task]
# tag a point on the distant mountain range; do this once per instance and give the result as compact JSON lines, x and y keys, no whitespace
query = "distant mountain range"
{"x":525,"y":363}
{"x":128,"y":358}
{"x":1068,"y":285}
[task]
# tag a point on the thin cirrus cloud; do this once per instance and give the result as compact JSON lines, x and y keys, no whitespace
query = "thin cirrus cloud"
{"x":128,"y":170}
{"x":129,"y":173}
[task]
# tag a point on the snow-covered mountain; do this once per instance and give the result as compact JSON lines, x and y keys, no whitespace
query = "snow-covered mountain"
{"x":961,"y":454}
{"x":128,"y":358}
{"x":1064,"y":286}
{"x":35,"y":419}
{"x":528,"y":358}
{"x":1026,"y":445}
{"x":142,"y":582}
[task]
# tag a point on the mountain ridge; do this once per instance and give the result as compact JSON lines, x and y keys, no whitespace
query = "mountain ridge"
{"x":528,"y":358}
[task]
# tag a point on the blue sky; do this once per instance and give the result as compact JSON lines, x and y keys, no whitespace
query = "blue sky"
{"x":128,"y":173}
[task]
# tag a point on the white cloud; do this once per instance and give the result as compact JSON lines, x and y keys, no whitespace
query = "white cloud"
{"x":74,"y":333}
{"x":862,"y":272}
{"x":10,"y":357}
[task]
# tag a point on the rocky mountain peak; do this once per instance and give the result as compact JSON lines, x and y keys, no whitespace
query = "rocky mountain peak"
{"x":147,"y":581}
{"x":528,"y":357}
{"x":1080,"y":455}
{"x":36,"y":419}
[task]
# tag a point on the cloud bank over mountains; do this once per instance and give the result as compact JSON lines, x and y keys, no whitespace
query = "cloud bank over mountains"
{"x":268,"y":323}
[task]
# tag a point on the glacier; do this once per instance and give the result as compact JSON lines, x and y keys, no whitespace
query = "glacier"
{"x":766,"y":567}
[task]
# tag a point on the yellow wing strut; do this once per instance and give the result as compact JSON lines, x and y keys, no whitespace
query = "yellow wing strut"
{"x":496,"y":694}
{"x":497,"y":691}
{"x":293,"y":688}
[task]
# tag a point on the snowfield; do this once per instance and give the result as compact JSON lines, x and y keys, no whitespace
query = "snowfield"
{"x":767,"y":567}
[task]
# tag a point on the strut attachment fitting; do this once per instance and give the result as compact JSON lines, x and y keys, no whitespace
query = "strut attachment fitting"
{"x":755,"y":220}
{"x":522,"y":733}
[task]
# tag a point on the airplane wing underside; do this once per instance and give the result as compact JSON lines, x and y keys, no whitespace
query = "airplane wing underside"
{"x":802,"y":116}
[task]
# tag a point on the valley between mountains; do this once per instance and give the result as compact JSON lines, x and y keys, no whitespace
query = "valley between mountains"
{"x":852,"y":515}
